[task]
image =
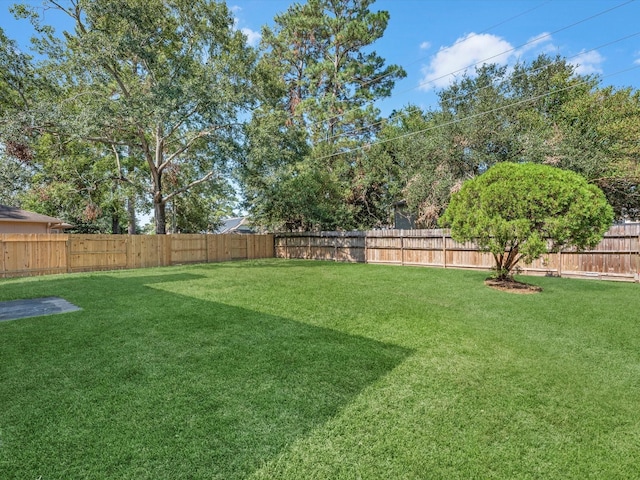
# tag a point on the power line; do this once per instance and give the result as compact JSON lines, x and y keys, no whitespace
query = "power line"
{"x":472,"y":35}
{"x":535,"y":40}
{"x":415,"y":109}
{"x":380,"y":77}
{"x":470,"y":117}
{"x":591,"y":17}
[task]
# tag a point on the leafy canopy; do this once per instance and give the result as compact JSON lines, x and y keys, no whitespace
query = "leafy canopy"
{"x":514,"y":211}
{"x":303,"y":169}
{"x":542,"y":111}
{"x":158,"y":87}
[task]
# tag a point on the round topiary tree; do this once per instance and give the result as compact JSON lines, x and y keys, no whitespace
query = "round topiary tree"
{"x":520,"y":211}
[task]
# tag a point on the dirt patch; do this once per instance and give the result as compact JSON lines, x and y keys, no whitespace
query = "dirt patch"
{"x":512,"y":286}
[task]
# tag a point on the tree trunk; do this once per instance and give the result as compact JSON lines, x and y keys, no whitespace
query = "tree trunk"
{"x":115,"y":224}
{"x":160,"y":216}
{"x":131,"y":213}
{"x":159,"y":205}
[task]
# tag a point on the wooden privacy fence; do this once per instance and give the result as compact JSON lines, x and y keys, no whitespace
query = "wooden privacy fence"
{"x":616,"y":257}
{"x":42,"y":254}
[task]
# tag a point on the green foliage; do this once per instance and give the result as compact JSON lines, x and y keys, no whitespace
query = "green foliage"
{"x":201,"y":209}
{"x":18,"y":81}
{"x":600,"y":141}
{"x":74,"y":181}
{"x":513,"y":210}
{"x":321,"y":82}
{"x":540,"y":112}
{"x":159,"y":86}
{"x":415,"y":159}
{"x":14,"y":180}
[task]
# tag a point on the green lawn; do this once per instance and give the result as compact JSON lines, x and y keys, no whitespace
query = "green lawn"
{"x":310,"y":370}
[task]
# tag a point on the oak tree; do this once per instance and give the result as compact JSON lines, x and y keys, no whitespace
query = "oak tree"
{"x":160,"y":85}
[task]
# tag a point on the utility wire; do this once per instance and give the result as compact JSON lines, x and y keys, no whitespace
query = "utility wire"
{"x":479,"y":89}
{"x":470,"y":117}
{"x":460,"y":40}
{"x":591,"y":17}
{"x":472,"y":35}
{"x":535,"y":40}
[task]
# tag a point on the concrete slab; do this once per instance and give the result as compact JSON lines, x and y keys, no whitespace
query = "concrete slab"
{"x":34,"y":307}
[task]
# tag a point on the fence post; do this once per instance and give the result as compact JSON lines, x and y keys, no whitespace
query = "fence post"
{"x":129,"y":260}
{"x":637,"y":279}
{"x":68,"y":250}
{"x":168,"y":251}
{"x":3,"y":266}
{"x":402,"y":247}
{"x":560,"y":263}
{"x":444,"y":250}
{"x":366,"y":258}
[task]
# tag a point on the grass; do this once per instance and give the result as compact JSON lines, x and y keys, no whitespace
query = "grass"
{"x":294,"y":369}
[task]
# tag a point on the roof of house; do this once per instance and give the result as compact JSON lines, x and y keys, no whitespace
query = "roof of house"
{"x":235,"y":224}
{"x":14,"y":214}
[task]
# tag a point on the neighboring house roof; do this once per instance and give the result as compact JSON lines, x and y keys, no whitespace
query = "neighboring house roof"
{"x":235,"y":225}
{"x":14,"y":214}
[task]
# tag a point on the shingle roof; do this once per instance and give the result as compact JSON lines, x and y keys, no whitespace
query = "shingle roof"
{"x":236,"y":224}
{"x":13,"y":214}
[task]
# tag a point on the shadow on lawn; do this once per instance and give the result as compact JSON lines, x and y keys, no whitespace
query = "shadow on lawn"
{"x":148,"y":384}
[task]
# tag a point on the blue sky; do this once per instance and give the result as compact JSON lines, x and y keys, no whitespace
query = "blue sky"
{"x":436,"y":40}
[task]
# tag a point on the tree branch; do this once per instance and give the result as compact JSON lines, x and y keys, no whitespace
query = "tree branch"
{"x":184,"y":148}
{"x":187,"y":187}
{"x":180,"y":122}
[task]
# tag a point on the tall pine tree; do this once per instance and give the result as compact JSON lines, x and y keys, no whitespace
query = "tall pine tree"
{"x":318,"y":110}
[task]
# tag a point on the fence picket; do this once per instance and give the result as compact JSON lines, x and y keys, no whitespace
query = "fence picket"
{"x":617,"y":257}
{"x":41,"y":254}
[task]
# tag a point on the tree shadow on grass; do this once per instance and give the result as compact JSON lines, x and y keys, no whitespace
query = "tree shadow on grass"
{"x":161,"y":385}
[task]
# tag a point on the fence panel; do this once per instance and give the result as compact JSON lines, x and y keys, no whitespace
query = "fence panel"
{"x":41,"y":254}
{"x":24,"y":255}
{"x":219,"y":248}
{"x":259,"y":246}
{"x":616,"y":257}
{"x":238,"y":247}
{"x":384,"y":246}
{"x":350,"y":247}
{"x":188,"y":248}
{"x":336,"y":246}
{"x":87,"y":253}
{"x":145,"y":251}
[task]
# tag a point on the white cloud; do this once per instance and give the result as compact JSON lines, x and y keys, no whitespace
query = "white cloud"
{"x":588,"y":62}
{"x":463,"y":55}
{"x":537,"y":41}
{"x":473,"y":50}
{"x":637,"y":60}
{"x":253,"y":37}
{"x":425,"y":46}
